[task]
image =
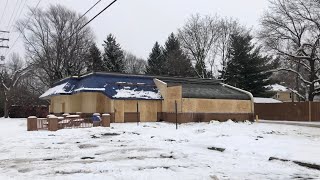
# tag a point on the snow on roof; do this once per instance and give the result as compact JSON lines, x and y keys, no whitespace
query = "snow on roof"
{"x":108,"y":84}
{"x":89,"y":89}
{"x":265,"y":100}
{"x":132,"y":93}
{"x":277,"y":87}
{"x":59,"y":89}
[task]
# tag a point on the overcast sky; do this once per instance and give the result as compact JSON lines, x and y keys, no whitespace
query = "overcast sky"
{"x":137,"y":24}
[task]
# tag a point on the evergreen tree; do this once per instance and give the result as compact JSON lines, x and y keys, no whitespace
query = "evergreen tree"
{"x":247,"y":68}
{"x":177,"y":63}
{"x":156,"y":64}
{"x":95,"y":62}
{"x":113,"y":55}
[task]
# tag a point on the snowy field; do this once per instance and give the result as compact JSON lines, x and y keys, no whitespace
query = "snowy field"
{"x":158,"y":151}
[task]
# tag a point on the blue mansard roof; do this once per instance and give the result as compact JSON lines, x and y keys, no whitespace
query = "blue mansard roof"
{"x":127,"y":86}
{"x":114,"y":86}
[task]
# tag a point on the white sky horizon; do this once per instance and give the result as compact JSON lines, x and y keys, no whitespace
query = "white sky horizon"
{"x":137,"y":24}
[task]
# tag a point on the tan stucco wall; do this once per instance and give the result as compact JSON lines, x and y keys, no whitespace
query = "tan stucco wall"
{"x":162,"y":86}
{"x":88,"y":102}
{"x":170,"y":95}
{"x":148,"y":109}
{"x":119,"y":111}
{"x":98,"y":102}
{"x":216,"y":106}
{"x":174,"y":94}
{"x":104,"y":104}
{"x":65,"y":103}
{"x":81,"y":102}
{"x":74,"y":103}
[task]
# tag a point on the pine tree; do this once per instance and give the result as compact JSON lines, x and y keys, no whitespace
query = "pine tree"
{"x":113,"y":55}
{"x":156,"y":64}
{"x":95,"y":62}
{"x":247,"y":68}
{"x":177,"y":63}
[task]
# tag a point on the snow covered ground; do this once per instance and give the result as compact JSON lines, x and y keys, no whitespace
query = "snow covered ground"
{"x":158,"y":151}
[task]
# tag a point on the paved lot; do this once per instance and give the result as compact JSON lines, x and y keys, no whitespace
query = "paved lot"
{"x":295,"y":123}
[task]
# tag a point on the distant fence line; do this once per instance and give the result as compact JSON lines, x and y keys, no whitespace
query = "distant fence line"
{"x":290,"y":111}
{"x":26,"y":111}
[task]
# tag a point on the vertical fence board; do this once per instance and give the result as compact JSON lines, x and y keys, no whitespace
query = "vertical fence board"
{"x":289,"y":111}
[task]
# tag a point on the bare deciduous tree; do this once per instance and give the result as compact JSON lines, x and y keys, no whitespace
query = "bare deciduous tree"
{"x":291,"y":28}
{"x":198,"y":36}
{"x":54,"y":45}
{"x":134,"y":65}
{"x":228,"y":26}
{"x":10,"y":76}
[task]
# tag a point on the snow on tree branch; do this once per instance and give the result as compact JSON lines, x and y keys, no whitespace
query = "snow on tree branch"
{"x":293,"y":71}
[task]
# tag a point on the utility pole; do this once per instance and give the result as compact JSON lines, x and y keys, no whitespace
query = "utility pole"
{"x":2,"y":46}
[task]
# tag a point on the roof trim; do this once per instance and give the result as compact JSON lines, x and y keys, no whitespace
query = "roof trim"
{"x":162,"y":78}
{"x":243,"y":91}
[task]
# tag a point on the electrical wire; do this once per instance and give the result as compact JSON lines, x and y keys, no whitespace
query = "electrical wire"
{"x":92,"y":19}
{"x":77,"y":20}
{"x":14,"y":12}
{"x":18,"y":15}
{"x":4,"y":10}
{"x":88,"y":10}
{"x":14,"y":43}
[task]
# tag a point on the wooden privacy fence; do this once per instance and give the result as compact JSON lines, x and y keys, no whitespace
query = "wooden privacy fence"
{"x":288,"y":111}
{"x":203,"y":117}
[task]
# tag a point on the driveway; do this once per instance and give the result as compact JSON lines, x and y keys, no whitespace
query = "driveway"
{"x":295,"y":123}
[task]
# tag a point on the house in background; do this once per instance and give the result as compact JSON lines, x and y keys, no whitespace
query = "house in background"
{"x":131,"y":98}
{"x":283,"y":93}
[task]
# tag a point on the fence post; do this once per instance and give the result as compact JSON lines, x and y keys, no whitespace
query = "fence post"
{"x":53,"y":123}
{"x":176,"y":106}
{"x":105,"y":120}
{"x":257,"y":118}
{"x":138,"y":117}
{"x":32,"y":123}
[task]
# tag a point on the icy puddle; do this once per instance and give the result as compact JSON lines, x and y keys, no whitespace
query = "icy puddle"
{"x":159,"y":151}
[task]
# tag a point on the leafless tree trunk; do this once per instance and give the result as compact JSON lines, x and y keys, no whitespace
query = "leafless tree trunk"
{"x":291,"y":28}
{"x":212,"y":61}
{"x":228,"y":26}
{"x":54,"y":46}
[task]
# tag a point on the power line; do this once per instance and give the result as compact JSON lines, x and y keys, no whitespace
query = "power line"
{"x":15,"y":17}
{"x":77,"y":20}
{"x":92,"y":19}
{"x":14,"y":10}
{"x":5,"y":7}
{"x":14,"y":43}
{"x":98,"y":14}
{"x":19,"y":14}
{"x":89,"y":10}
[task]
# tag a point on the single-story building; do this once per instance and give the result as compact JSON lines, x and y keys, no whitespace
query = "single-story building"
{"x":131,"y":98}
